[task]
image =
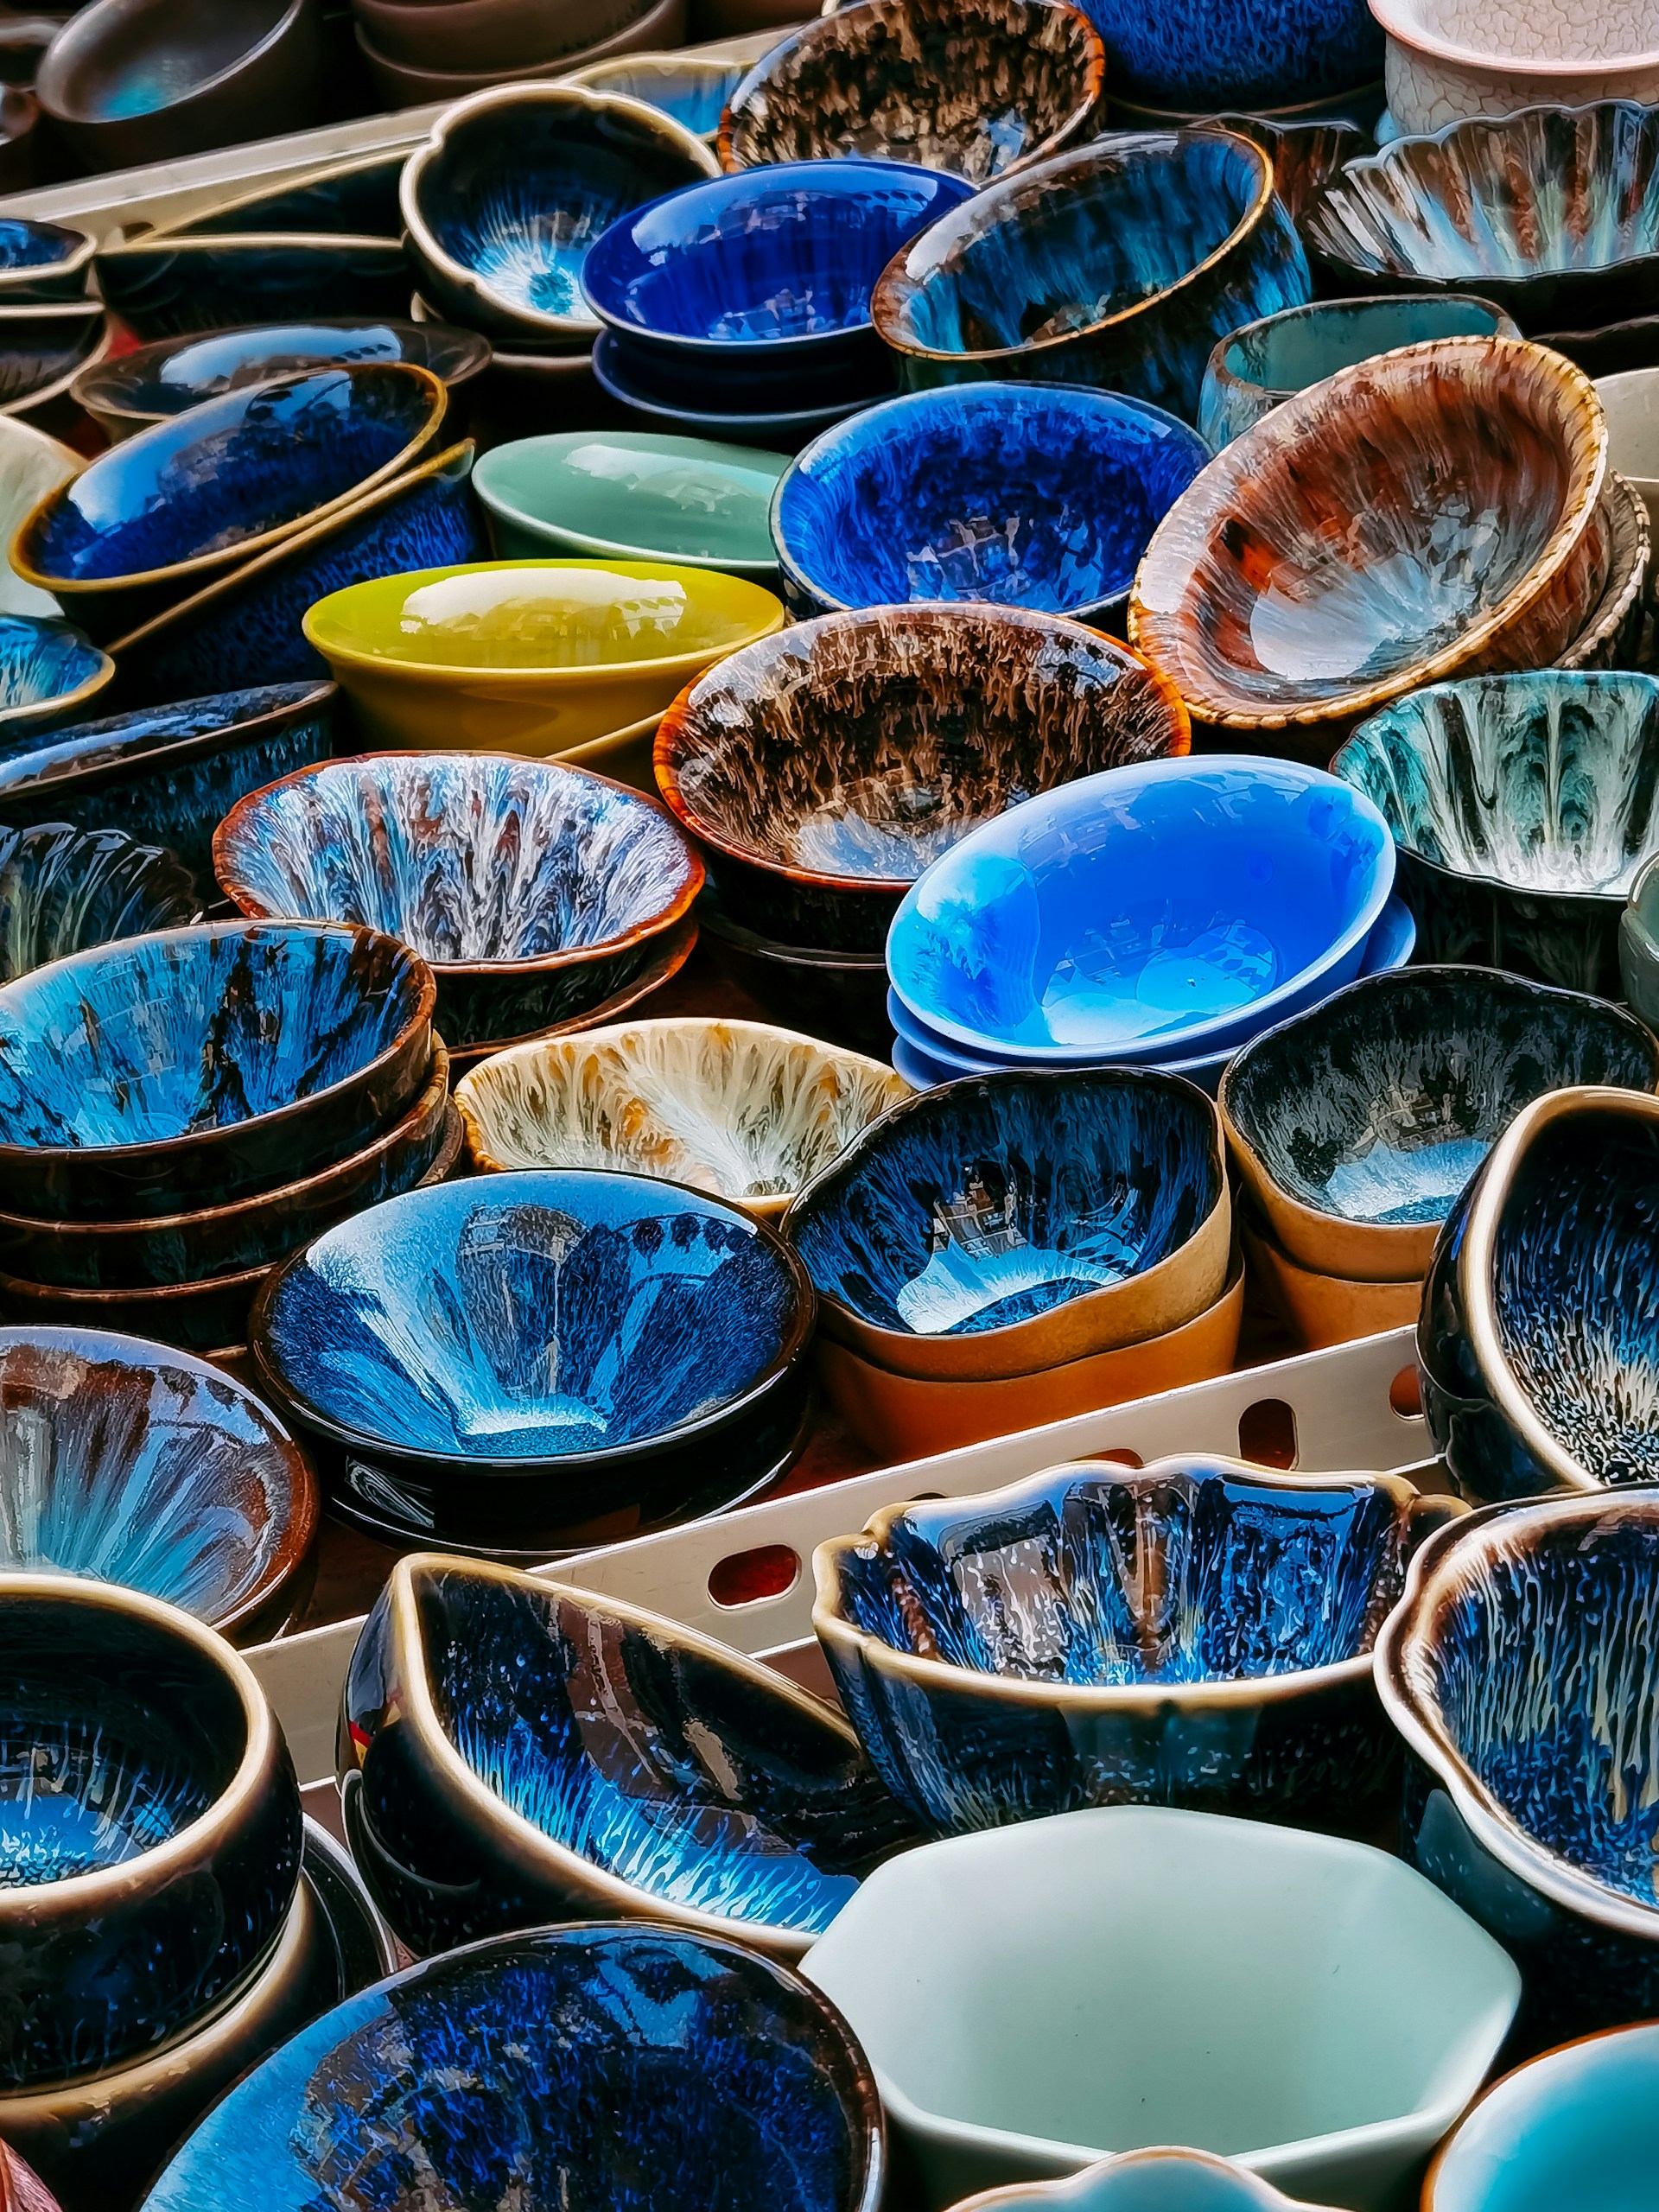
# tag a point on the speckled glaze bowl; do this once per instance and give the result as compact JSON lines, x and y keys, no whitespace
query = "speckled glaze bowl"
{"x":1197,"y":1632}
{"x":1320,"y":566}
{"x":1202,"y":55}
{"x":533,"y":890}
{"x":1120,"y":264}
{"x":716,"y":1796}
{"x":49,"y":672}
{"x":1357,"y":1124}
{"x":151,"y":1825}
{"x":977,"y":90}
{"x":826,"y":768}
{"x":1523,"y":807}
{"x":1529,"y":1796}
{"x":64,"y":889}
{"x":1576,"y":2123}
{"x":283,"y":1045}
{"x":1022,"y":496}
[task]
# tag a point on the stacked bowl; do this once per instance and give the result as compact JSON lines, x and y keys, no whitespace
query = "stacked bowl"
{"x":419,"y":51}
{"x":49,"y":327}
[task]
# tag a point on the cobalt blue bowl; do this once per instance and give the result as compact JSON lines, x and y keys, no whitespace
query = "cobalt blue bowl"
{"x":49,"y":671}
{"x":719,"y":1797}
{"x":1519,"y":1671}
{"x":63,"y":889}
{"x":195,"y":1063}
{"x":41,"y":261}
{"x":525,"y":1351}
{"x":1041,"y":497}
{"x":151,"y":520}
{"x":1197,"y":1632}
{"x":612,"y":2067}
{"x":1575,"y":2127}
{"x":1241,"y":889}
{"x":1204,"y":55}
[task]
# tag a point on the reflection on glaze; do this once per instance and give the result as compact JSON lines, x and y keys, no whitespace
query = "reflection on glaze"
{"x":672,"y":499}
{"x":180,"y":373}
{"x":24,"y":244}
{"x":690,"y":90}
{"x":62,"y":890}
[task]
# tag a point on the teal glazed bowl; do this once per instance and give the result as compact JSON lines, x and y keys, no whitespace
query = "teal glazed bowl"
{"x":1579,"y":2125}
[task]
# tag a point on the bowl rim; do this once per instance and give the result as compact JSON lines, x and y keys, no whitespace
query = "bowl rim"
{"x":83,"y":33}
{"x":896,"y":285}
{"x":796,"y":1335}
{"x":315,"y":698}
{"x":94,"y":357}
{"x":1076,"y":2192}
{"x":717,"y":428}
{"x":674,"y":948}
{"x":1396,"y":21}
{"x":325,"y":171}
{"x":1227,"y":377}
{"x":1629,"y":549}
{"x":43,"y":713}
{"x":73,"y":262}
{"x":243,"y":821}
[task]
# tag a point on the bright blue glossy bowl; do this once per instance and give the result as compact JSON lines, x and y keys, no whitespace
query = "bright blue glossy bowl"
{"x":64,"y":889}
{"x":1023,"y":495}
{"x":48,"y":672}
{"x":1152,"y":914}
{"x":1579,"y":2125}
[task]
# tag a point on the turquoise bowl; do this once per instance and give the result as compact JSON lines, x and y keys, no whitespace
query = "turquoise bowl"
{"x":1578,"y":2126}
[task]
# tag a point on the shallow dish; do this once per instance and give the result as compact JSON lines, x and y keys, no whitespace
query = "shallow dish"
{"x":1200,"y":56}
{"x":49,"y":672}
{"x":174,"y":284}
{"x":64,"y":889}
{"x":41,"y":261}
{"x":1357,"y":2012}
{"x":1576,"y":2123}
{"x":688,"y":87}
{"x":42,"y":349}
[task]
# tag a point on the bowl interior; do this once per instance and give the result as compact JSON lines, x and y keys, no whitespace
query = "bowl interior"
{"x":41,"y":345}
{"x":676,"y":498}
{"x":692,"y":90}
{"x":1000,"y":1201}
{"x":1016,"y":493}
{"x":63,"y":889}
{"x":135,"y":61}
{"x":41,"y":659}
{"x":1576,"y":2123}
{"x":24,"y":244}
{"x":531,"y":1316}
{"x":177,"y":374}
{"x":1286,"y":352}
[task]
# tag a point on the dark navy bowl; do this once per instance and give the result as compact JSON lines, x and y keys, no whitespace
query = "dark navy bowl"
{"x":42,"y":349}
{"x":64,"y":889}
{"x":41,"y":261}
{"x":782,"y":414}
{"x":196,"y":1064}
{"x":49,"y":671}
{"x":1022,"y":496}
{"x":168,"y":774}
{"x":611,"y":2067}
{"x":1195,"y":1633}
{"x":1206,"y":54}
{"x":174,"y":286}
{"x":354,"y":197}
{"x":718,"y":1796}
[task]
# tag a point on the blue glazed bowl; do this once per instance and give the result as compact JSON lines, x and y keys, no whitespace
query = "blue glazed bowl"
{"x":49,"y":671}
{"x":170,"y":285}
{"x":1120,"y":264}
{"x":692,"y":89}
{"x":41,"y":261}
{"x":611,"y":2066}
{"x":1007,"y":493}
{"x":196,"y":1064}
{"x":1239,"y":889}
{"x":505,"y":201}
{"x":782,"y":414}
{"x":168,"y":774}
{"x":529,"y":1349}
{"x":150,"y":521}
{"x":64,"y":889}
{"x":1518,"y":1671}
{"x":1202,"y":55}
{"x":126,"y":1463}
{"x":720,"y":1798}
{"x":535,"y":891}
{"x":1575,"y":2127}
{"x":42,"y":349}
{"x":1195,"y":1633}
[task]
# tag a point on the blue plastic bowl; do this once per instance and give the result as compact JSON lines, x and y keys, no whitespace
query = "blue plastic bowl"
{"x":1152,"y":914}
{"x":1577,"y":2126}
{"x":1026,"y":495}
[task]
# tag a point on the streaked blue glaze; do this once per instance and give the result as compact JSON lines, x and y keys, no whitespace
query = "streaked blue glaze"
{"x":630,"y":2069}
{"x":357,"y":198}
{"x":179,"y":373}
{"x":48,"y":670}
{"x":169,"y":288}
{"x":38,"y":349}
{"x":1151,"y":912}
{"x":1575,"y":2128}
{"x":688,"y":1779}
{"x":1157,"y":1586}
{"x":1063,"y":272}
{"x":1206,"y":54}
{"x":63,"y":889}
{"x":38,"y":261}
{"x":1009,"y":1197}
{"x":1522,"y":807}
{"x":1010,"y":493}
{"x":694,"y":92}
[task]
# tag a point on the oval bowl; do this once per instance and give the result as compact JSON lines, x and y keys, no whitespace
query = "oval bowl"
{"x":49,"y":672}
{"x":179,"y":285}
{"x":689,"y":88}
{"x":41,"y":261}
{"x":64,"y":889}
{"x":1577,"y":2121}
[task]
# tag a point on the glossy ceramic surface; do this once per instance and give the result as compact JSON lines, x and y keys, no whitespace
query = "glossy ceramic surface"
{"x":1043,"y":498}
{"x":41,"y":261}
{"x":42,"y":349}
{"x":1199,"y":55}
{"x":755,"y":406}
{"x":31,"y":465}
{"x":589,"y":2064}
{"x":1638,"y":945}
{"x":504,"y":203}
{"x":175,"y":284}
{"x":202,"y":1061}
{"x":63,"y":889}
{"x":49,"y":671}
{"x":1446,"y":61}
{"x":1121,"y":265}
{"x":1304,"y":2004}
{"x":690,"y":87}
{"x":1578,"y":2122}
{"x":1523,"y":807}
{"x":658,"y":26}
{"x":355,"y":196}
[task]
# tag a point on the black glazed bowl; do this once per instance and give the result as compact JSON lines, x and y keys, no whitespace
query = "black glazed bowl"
{"x":175,"y":285}
{"x":64,"y":889}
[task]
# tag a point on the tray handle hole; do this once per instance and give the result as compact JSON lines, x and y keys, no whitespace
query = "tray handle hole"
{"x":1267,"y":1433}
{"x":747,"y":1577}
{"x":1406,"y":1394}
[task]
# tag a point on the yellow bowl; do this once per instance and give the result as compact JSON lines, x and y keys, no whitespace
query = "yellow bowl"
{"x":529,"y":656}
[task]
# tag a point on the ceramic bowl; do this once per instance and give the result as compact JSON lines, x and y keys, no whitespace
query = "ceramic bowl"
{"x":715,"y":2070}
{"x":1197,"y":1632}
{"x":1006,"y":1225}
{"x":1638,"y":945}
{"x":1344,"y":485}
{"x":780,"y":413}
{"x":1357,"y":1125}
{"x":1201,"y":56}
{"x":1446,"y":61}
{"x":999,"y":945}
{"x":632,"y":495}
{"x":1523,"y":807}
{"x":41,"y":261}
{"x":49,"y":672}
{"x":1257,"y":367}
{"x":1141,"y":2181}
{"x":124,"y":1463}
{"x":151,"y":520}
{"x":1630,"y":401}
{"x":168,"y":774}
{"x":1120,"y":264}
{"x":1612,"y":635}
{"x":209,"y":1318}
{"x":976,"y":91}
{"x":691,"y":88}
{"x":31,"y":465}
{"x":837,"y":996}
{"x":499,"y":37}
{"x":747,"y":1112}
{"x":1528,"y":1797}
{"x":537,"y":1339}
{"x":722,"y":1799}
{"x":1043,"y":498}
{"x":1548,"y":214}
{"x":1355,"y":2015}
{"x":352,"y":196}
{"x":284,"y":1045}
{"x":129,"y":82}
{"x":535,"y":891}
{"x":42,"y":349}
{"x":152,"y":1837}
{"x":528,"y":656}
{"x":660,"y":26}
{"x":173,"y":285}
{"x":154,"y":383}
{"x":476,"y":201}
{"x":1578,"y":2122}
{"x":1320,"y":1310}
{"x":826,"y":768}
{"x":1306,"y":150}
{"x":64,"y":889}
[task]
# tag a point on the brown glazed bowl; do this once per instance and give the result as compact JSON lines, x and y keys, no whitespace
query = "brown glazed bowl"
{"x":1431,"y":512}
{"x":503,"y":36}
{"x":826,"y":767}
{"x":410,"y":84}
